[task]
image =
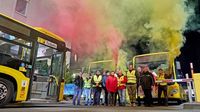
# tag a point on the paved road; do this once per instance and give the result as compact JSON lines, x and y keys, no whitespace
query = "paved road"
{"x":99,"y":109}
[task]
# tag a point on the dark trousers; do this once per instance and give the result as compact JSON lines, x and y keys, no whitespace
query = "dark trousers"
{"x":164,"y":90}
{"x":138,"y":97}
{"x":117,"y":94}
{"x":111,"y":98}
{"x":148,"y":97}
{"x":97,"y":94}
{"x":106,"y":96}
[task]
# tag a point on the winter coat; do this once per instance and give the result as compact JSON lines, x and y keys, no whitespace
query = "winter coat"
{"x":79,"y":82}
{"x":147,"y":80}
{"x":104,"y":80}
{"x":111,"y":83}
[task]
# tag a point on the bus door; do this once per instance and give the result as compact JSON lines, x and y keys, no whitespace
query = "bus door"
{"x":47,"y":72}
{"x":56,"y":74}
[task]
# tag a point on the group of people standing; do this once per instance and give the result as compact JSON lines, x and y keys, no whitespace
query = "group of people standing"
{"x":115,"y":84}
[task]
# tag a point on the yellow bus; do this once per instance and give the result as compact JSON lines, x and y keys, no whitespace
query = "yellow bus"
{"x":162,"y":60}
{"x":100,"y":65}
{"x":31,"y":63}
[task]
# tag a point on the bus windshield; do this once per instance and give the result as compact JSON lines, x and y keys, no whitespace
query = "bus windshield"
{"x":154,"y":62}
{"x":101,"y":65}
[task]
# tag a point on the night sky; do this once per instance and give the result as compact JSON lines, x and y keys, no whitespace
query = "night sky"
{"x":190,"y":52}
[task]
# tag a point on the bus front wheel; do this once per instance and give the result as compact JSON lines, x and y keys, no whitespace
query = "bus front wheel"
{"x":6,"y":91}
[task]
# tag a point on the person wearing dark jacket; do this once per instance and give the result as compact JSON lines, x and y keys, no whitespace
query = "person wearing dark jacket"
{"x":147,"y":82}
{"x":138,"y":76}
{"x":105,"y":97}
{"x":78,"y":89}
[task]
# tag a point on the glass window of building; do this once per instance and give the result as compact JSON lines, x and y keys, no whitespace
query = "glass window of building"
{"x":21,"y":6}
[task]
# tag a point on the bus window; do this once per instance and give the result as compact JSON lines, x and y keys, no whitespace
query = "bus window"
{"x":42,"y":67}
{"x":15,"y":47}
{"x":178,"y":71}
{"x":44,"y":60}
{"x":15,"y":39}
{"x":44,"y":51}
{"x":57,"y":64}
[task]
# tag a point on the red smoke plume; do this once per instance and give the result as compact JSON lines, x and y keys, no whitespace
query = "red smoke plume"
{"x":78,"y":23}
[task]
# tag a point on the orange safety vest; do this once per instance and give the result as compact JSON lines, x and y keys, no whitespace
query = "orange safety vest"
{"x":120,"y":79}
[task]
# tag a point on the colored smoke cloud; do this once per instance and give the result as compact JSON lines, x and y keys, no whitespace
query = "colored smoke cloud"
{"x":100,"y":27}
{"x":159,"y":23}
{"x":87,"y":30}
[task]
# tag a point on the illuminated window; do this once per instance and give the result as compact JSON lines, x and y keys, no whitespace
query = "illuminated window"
{"x":21,"y":6}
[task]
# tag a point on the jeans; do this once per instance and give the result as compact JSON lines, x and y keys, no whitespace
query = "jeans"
{"x":77,"y":93}
{"x":87,"y":96}
{"x":97,"y":94}
{"x":138,"y":96}
{"x":122,"y":95}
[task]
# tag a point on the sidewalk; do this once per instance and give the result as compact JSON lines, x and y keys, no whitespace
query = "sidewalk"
{"x":193,"y":105}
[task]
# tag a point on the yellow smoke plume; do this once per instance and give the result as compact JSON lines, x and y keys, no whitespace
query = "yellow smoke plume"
{"x":163,"y":21}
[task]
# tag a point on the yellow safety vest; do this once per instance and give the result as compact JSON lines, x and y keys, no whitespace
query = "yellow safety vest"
{"x":97,"y":79}
{"x":87,"y":83}
{"x":120,"y":79}
{"x":160,"y":78}
{"x":131,"y":77}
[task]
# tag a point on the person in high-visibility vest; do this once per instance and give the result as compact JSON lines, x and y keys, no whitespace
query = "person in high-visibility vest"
{"x":122,"y":80}
{"x":139,"y":88}
{"x":87,"y":90}
{"x":131,"y":85}
{"x":162,"y":87}
{"x":97,"y":86}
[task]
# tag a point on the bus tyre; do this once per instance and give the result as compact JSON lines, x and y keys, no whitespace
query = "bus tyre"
{"x":6,"y":91}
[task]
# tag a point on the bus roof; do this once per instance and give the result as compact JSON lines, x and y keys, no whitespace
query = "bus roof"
{"x":12,"y":19}
{"x":46,"y":32}
{"x":150,"y":54}
{"x":39,"y":29}
{"x":102,"y":61}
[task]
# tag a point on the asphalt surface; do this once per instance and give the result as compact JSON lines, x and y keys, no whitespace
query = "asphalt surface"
{"x":66,"y":106}
{"x":178,"y":108}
